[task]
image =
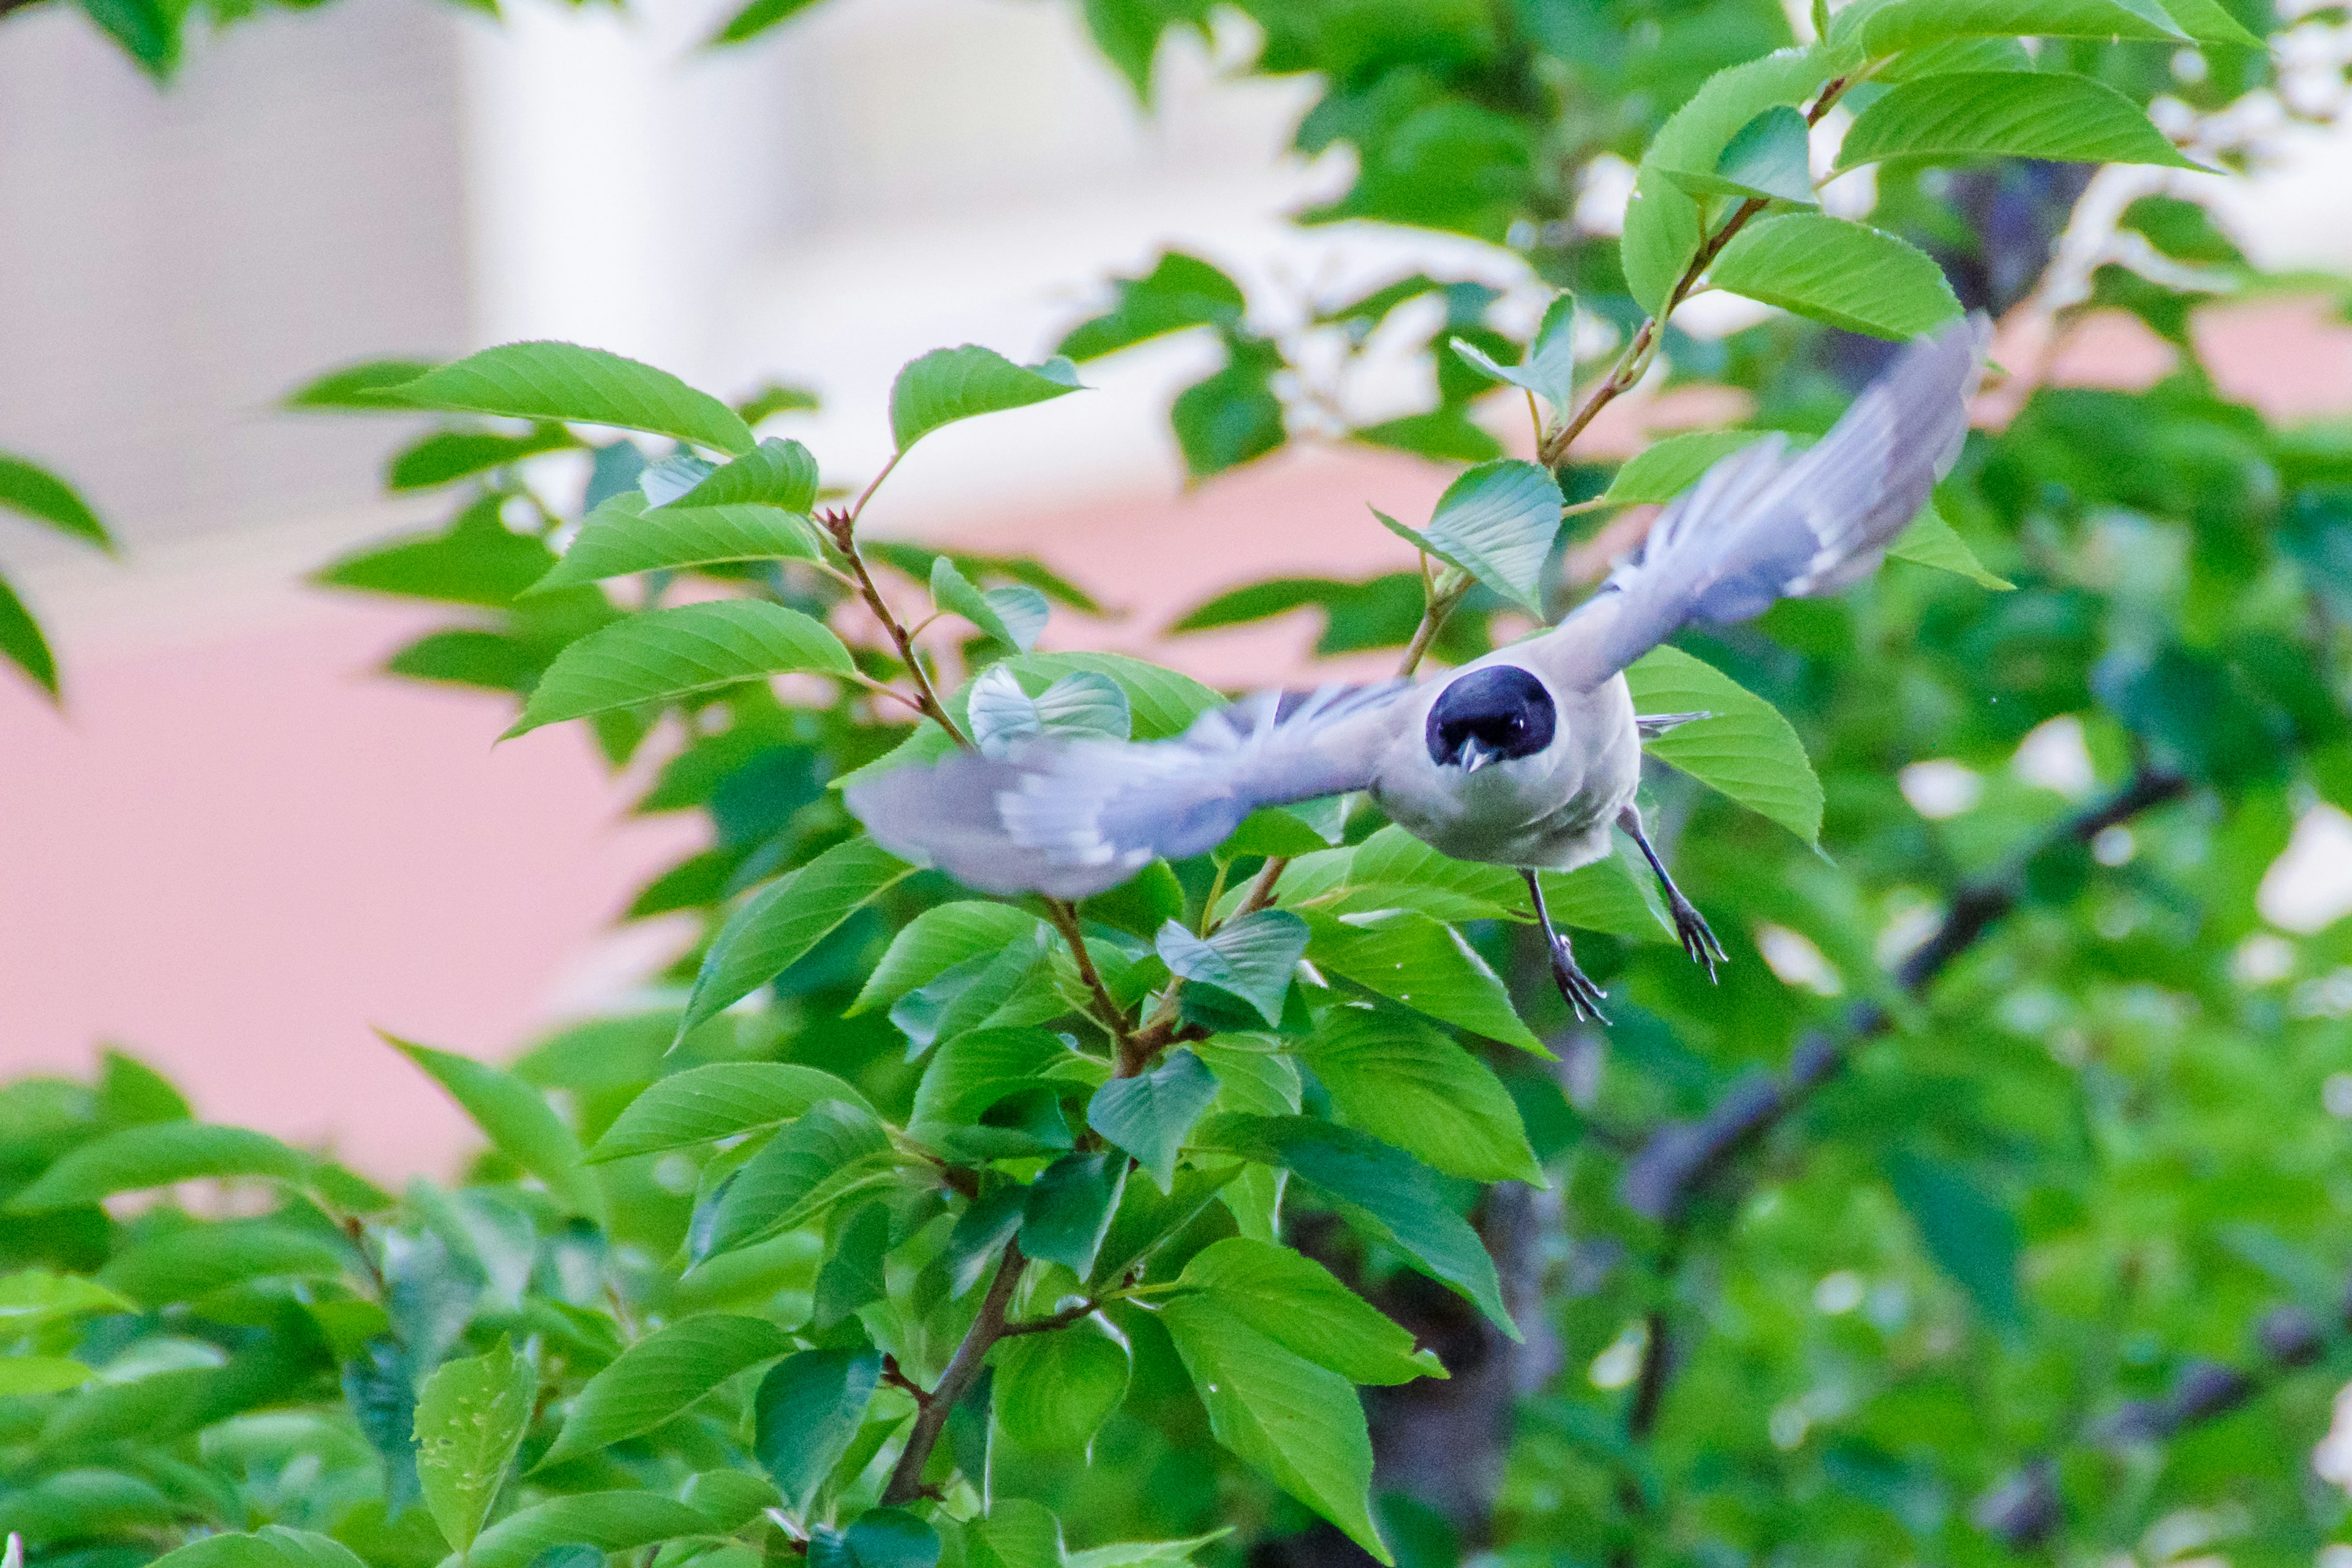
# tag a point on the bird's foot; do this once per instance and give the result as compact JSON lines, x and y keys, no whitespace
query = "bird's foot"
{"x":1576,"y":987}
{"x":1697,"y":938}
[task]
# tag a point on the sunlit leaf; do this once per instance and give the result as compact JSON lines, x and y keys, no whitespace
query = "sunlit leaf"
{"x":591,"y":387}
{"x":665,"y":655}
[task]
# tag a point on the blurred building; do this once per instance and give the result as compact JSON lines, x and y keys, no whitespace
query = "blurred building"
{"x":237,"y":849}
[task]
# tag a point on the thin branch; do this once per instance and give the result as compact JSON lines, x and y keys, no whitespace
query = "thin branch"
{"x":1061,"y":1319}
{"x":1107,"y":1008}
{"x":963,"y":1367}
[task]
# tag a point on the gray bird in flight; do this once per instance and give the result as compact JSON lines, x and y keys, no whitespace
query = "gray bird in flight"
{"x":1525,"y":758}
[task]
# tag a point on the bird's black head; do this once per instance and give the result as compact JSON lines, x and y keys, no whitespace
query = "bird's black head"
{"x":1494,"y":714}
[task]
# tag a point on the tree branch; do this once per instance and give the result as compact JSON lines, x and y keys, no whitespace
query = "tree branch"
{"x":931,"y":1413}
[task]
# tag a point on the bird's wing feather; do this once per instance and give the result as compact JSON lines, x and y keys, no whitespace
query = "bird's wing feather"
{"x":1767,"y":523}
{"x":1071,"y":818}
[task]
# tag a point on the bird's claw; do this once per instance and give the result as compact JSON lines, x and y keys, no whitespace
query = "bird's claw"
{"x":1697,"y":938}
{"x":1576,"y":987}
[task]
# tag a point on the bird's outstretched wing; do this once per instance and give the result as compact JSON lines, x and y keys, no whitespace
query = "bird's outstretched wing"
{"x":1767,"y":523}
{"x":1071,"y":818}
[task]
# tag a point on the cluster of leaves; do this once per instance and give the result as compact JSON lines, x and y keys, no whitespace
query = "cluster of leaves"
{"x":911,"y":1225}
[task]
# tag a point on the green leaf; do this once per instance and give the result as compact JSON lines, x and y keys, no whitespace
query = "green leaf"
{"x":517,"y":1119}
{"x":181,"y":1265}
{"x":882,"y":1538}
{"x":2023,"y":115}
{"x":1846,"y":274}
{"x":1549,"y":368}
{"x":606,"y":1521}
{"x":272,"y":1546}
{"x":805,"y":1413}
{"x":1497,"y":522}
{"x":937,"y":941}
{"x":852,"y":1274}
{"x":370,"y":387}
{"x":661,"y":1376}
{"x":1930,"y":542}
{"x":2210,"y":22}
{"x":787,"y":918}
{"x":1013,"y":616}
{"x":1150,"y":1115}
{"x":1070,"y":1209}
{"x":32,"y":1375}
{"x":620,"y":538}
{"x":40,"y":495}
{"x":1406,"y":1084}
{"x":1973,"y":1238}
{"x":1233,"y":416}
{"x":1387,"y":1193}
{"x":1423,"y":963}
{"x":157,"y":1155}
{"x":949,"y":384}
{"x":1299,"y":1424}
{"x":1662,"y":222}
{"x":1301,"y":1306}
{"x":705,"y":1104}
{"x":1914,"y":24}
{"x":1443,"y":434}
{"x":21,"y":642}
{"x":148,"y":31}
{"x":757,"y":18}
{"x":663,"y":655}
{"x":834,"y":1149}
{"x":31,"y":1299}
{"x":1179,"y":292}
{"x":1015,"y":1534}
{"x":588,"y":386}
{"x":1143,"y":1553}
{"x":1769,"y":159}
{"x":1746,"y":750}
{"x":973,"y":1071}
{"x":470,"y":1420}
{"x":443,"y":457}
{"x":1053,"y":1391}
{"x":476,"y":559}
{"x":776,"y":473}
{"x":1084,"y":705}
{"x":1392,"y":865}
{"x":1664,"y":469}
{"x":1252,"y":958}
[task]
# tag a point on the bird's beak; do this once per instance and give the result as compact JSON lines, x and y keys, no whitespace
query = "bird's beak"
{"x":1474,"y":756}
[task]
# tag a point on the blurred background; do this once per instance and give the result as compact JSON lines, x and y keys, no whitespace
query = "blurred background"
{"x":239,"y":848}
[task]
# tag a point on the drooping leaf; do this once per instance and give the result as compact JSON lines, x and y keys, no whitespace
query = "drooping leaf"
{"x":1769,"y":159}
{"x":22,"y":643}
{"x":1409,"y":1085}
{"x":1233,"y":416}
{"x":470,"y":1420}
{"x":1251,"y":958}
{"x":1846,"y":274}
{"x":665,"y":654}
{"x":833,"y":1149}
{"x":588,"y":387}
{"x":1053,"y":1391}
{"x":776,"y":473}
{"x":851,"y":1276}
{"x":1149,"y":1114}
{"x":949,"y":384}
{"x":1070,"y":1209}
{"x":33,"y":491}
{"x":1299,"y":1424}
{"x":2022,"y":114}
{"x":619,"y":539}
{"x":791,"y":915}
{"x":1013,"y":616}
{"x":720,"y":1099}
{"x":1496,"y":522}
{"x":1382,"y":1189}
{"x":756,"y":18}
{"x":517,"y":1119}
{"x":937,"y":941}
{"x":1930,"y":542}
{"x":606,"y":1521}
{"x":1549,"y":368}
{"x":1745,"y":749}
{"x":157,"y":1155}
{"x":807,"y":1409}
{"x":1302,"y":1306}
{"x":660,"y":1375}
{"x":1423,"y":963}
